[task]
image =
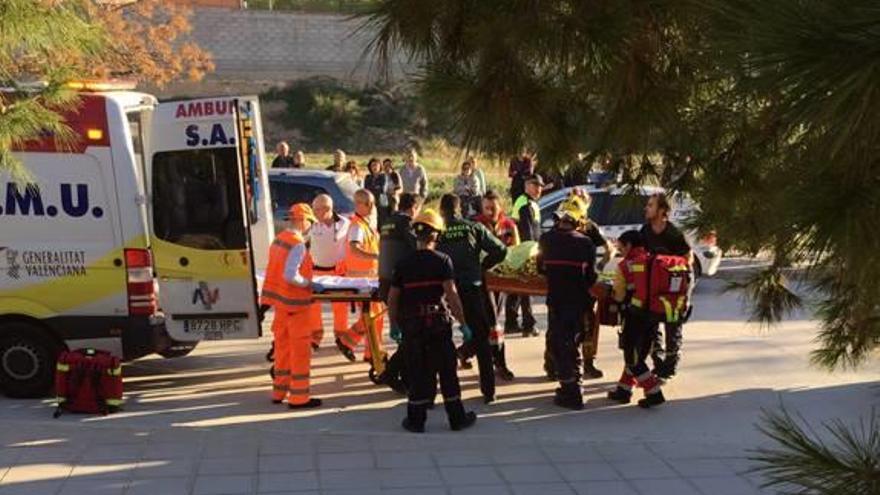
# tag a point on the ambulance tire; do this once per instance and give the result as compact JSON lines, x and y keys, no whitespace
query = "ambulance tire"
{"x":27,"y":360}
{"x":177,"y":351}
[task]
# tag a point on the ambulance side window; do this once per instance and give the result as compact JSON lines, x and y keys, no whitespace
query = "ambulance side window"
{"x":196,"y":199}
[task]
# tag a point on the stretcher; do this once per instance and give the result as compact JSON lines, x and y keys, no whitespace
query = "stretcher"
{"x":363,"y":291}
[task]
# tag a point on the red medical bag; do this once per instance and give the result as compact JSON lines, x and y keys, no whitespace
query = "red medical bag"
{"x":88,"y":381}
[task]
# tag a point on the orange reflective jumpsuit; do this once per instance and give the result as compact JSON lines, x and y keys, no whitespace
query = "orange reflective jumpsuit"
{"x":356,"y":266}
{"x":287,"y":289}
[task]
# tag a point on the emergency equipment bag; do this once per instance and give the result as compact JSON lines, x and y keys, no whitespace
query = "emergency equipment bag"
{"x":88,"y":381}
{"x":669,"y":286}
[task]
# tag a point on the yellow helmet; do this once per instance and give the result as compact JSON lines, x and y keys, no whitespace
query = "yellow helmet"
{"x":430,"y":218}
{"x":573,"y":207}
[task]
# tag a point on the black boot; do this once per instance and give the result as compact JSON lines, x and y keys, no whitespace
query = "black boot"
{"x":465,"y":421}
{"x":590,"y":370}
{"x":620,"y":395}
{"x":569,"y":399}
{"x":311,"y":404}
{"x":652,"y":400}
{"x":549,"y":370}
{"x":504,"y":373}
{"x":412,"y":427}
{"x":348,"y":353}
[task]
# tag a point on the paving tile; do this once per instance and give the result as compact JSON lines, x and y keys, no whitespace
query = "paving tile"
{"x":103,"y":471}
{"x":403,"y":460}
{"x":469,"y":476}
{"x":228,"y":465}
{"x":171,"y":450}
{"x":286,"y":463}
{"x":42,"y":455}
{"x":230,"y":450}
{"x":725,"y":485}
{"x":701,"y":468}
{"x":462,"y":458}
{"x":25,"y":473}
{"x":353,"y":491}
{"x":694,"y":450}
{"x":31,"y":488}
{"x":414,"y":491}
{"x":223,"y":485}
{"x":481,"y":490}
{"x":411,"y":478}
{"x":573,"y":453}
{"x":93,"y":487}
{"x":353,"y":460}
{"x":531,"y":473}
{"x":163,"y":469}
{"x":351,"y":479}
{"x":588,"y":471}
{"x":285,"y":482}
{"x":664,"y":487}
{"x":644,"y":469}
{"x":278,"y":446}
{"x":159,"y":486}
{"x":519,"y":456}
{"x":346,"y":443}
{"x":116,"y":453}
{"x":543,"y":489}
{"x":604,"y":488}
{"x":625,"y":451}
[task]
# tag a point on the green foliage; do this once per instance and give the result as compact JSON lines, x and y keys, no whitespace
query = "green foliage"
{"x":801,"y":461}
{"x":768,"y":113}
{"x":42,"y":46}
{"x":331,"y":114}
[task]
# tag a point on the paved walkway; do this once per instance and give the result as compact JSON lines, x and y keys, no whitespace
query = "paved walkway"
{"x":203,"y":425}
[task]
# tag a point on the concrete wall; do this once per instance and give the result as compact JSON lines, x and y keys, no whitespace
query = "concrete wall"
{"x":268,"y":48}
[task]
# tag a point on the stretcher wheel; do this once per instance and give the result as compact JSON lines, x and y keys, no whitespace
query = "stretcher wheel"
{"x":374,"y":377}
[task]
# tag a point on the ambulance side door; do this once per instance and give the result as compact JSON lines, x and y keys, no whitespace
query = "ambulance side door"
{"x":199,"y":226}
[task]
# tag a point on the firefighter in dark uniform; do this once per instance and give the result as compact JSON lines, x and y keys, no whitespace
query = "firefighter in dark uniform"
{"x":396,"y":241}
{"x":580,"y":199}
{"x":567,"y":259}
{"x":662,"y":237}
{"x":420,"y":300}
{"x":464,"y":241}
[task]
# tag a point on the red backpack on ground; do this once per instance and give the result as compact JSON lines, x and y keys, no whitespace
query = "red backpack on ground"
{"x":88,"y":381}
{"x":658,"y":283}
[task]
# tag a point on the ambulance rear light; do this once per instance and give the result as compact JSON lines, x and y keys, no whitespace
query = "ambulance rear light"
{"x":95,"y":134}
{"x":140,"y":281}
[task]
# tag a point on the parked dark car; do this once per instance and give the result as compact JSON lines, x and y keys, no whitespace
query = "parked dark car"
{"x":293,"y":186}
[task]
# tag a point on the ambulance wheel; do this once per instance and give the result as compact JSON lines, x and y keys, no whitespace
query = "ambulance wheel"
{"x":27,"y":360}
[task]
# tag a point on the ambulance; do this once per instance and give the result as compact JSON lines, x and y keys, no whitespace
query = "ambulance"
{"x":142,"y":235}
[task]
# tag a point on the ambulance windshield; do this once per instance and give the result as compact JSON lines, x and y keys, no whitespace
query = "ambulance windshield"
{"x":197,"y":199}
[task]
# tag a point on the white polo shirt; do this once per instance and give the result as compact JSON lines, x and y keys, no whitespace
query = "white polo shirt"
{"x":328,"y":242}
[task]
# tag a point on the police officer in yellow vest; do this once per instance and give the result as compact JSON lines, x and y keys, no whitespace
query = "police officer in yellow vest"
{"x":527,"y":216}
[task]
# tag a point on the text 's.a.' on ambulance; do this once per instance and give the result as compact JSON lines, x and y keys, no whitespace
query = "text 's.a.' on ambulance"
{"x":141,"y":235}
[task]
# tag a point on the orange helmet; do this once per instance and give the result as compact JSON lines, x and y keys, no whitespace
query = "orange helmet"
{"x":302,"y":211}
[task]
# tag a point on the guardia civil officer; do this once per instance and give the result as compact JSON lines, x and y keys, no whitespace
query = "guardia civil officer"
{"x":567,"y":258}
{"x":420,"y":300}
{"x":397,"y":240}
{"x":464,"y":241}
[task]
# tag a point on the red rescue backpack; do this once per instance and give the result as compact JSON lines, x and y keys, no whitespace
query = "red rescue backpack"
{"x":658,"y":283}
{"x":88,"y":381}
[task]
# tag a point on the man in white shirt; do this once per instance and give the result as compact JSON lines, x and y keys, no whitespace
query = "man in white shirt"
{"x":329,"y":236}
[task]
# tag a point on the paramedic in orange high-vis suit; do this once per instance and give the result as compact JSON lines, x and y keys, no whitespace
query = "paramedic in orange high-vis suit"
{"x":362,"y":260}
{"x":288,"y":289}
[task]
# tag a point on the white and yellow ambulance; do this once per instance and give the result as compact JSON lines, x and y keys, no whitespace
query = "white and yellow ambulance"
{"x":142,"y":236}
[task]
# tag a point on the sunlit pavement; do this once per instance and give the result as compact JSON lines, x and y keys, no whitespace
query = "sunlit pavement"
{"x":203,"y":424}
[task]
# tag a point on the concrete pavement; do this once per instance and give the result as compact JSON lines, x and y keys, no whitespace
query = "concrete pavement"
{"x":204,"y":425}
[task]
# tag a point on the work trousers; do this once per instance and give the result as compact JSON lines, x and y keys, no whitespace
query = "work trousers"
{"x":589,"y":339}
{"x":514,"y":304}
{"x":637,"y":341}
{"x":293,"y":354}
{"x":666,"y":358}
{"x":496,"y":335}
{"x":354,"y":335}
{"x":474,"y":301}
{"x":566,"y":326}
{"x":430,"y":354}
{"x":340,"y":311}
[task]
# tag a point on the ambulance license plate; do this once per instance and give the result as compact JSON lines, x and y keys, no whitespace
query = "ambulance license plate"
{"x":213,"y":329}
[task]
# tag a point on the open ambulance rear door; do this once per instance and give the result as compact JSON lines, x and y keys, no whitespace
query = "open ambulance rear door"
{"x":206,"y":193}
